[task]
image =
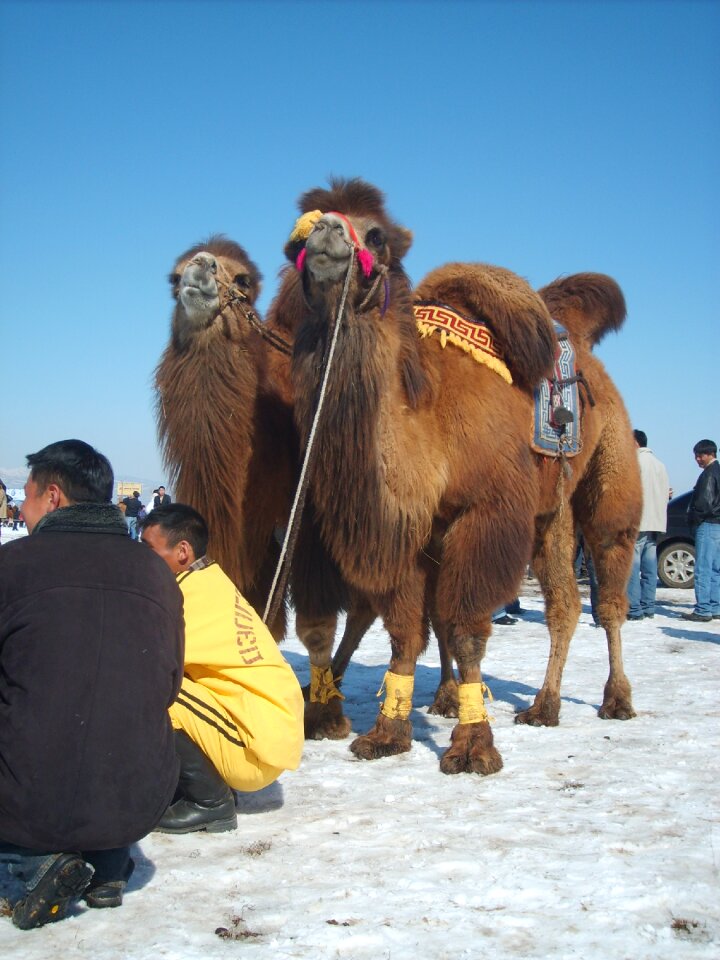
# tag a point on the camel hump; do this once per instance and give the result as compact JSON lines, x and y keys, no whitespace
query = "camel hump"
{"x":514,"y":312}
{"x":588,"y":304}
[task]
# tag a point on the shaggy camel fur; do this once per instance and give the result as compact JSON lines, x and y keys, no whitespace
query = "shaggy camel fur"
{"x":224,"y":413}
{"x":427,"y":493}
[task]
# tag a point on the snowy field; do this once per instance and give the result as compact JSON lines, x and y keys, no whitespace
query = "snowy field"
{"x":599,"y":840}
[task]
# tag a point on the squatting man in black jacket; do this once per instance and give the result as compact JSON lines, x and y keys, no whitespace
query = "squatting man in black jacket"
{"x":91,"y":657}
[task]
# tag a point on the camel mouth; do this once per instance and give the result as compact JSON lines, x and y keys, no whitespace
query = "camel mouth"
{"x":325,"y":265}
{"x":195,"y":290}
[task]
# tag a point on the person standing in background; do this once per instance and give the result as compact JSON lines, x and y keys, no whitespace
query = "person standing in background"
{"x":161,"y":499}
{"x":704,"y":518}
{"x":642,"y":585}
{"x":133,"y":506}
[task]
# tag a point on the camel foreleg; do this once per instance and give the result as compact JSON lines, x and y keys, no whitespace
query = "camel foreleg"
{"x":471,"y":748}
{"x":324,"y":717}
{"x":404,"y":621}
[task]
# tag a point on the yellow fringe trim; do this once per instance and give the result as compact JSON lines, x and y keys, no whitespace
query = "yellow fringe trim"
{"x":398,"y":700}
{"x":304,"y":225}
{"x":494,"y":363}
{"x":322,"y":685}
{"x":471,"y":707}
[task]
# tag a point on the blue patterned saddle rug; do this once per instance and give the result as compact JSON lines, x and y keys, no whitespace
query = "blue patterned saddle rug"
{"x":556,"y":428}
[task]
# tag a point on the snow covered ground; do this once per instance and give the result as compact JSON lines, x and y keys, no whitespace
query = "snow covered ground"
{"x":598,"y":839}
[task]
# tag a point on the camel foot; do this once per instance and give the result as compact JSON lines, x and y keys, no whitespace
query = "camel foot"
{"x":445,"y":703}
{"x":386,"y":738}
{"x":326,"y":721}
{"x":617,"y":701}
{"x":471,"y":750}
{"x":616,"y":709}
{"x":545,"y":712}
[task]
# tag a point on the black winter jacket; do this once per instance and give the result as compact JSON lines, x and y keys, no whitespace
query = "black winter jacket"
{"x":91,"y":657}
{"x":133,"y":506}
{"x":704,"y":506}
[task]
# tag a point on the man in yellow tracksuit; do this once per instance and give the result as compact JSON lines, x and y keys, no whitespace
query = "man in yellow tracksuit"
{"x":239,"y":714}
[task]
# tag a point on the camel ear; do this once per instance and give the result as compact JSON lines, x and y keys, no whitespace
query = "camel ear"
{"x":401,"y":241}
{"x":292,"y":249}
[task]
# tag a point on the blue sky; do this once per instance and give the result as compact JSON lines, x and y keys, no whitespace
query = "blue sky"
{"x":547,"y":137}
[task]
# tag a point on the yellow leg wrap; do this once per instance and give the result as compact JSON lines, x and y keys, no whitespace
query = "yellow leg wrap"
{"x":398,"y":696}
{"x":322,"y":685}
{"x":472,"y":703}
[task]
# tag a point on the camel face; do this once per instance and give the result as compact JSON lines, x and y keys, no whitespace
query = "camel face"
{"x":329,"y":248}
{"x":336,"y":237}
{"x":204,"y":279}
{"x":198,"y":292}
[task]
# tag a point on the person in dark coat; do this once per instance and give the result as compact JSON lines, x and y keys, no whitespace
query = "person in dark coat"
{"x":161,"y":499}
{"x":91,"y":658}
{"x":133,"y":506}
{"x":704,"y":519}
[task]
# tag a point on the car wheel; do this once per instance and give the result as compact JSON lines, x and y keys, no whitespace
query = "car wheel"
{"x":676,"y":565}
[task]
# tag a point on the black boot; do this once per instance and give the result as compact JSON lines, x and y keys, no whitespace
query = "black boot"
{"x":206,"y":802}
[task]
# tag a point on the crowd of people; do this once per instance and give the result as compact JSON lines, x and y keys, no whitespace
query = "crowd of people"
{"x":139,"y":689}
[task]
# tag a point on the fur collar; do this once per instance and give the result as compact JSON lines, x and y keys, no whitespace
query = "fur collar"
{"x":84,"y":518}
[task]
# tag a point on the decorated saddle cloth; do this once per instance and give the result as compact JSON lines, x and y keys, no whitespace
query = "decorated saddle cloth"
{"x":472,"y":336}
{"x":556,"y":424}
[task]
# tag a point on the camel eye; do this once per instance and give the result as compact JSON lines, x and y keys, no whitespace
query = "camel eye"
{"x":242,"y":280}
{"x":375,"y":238}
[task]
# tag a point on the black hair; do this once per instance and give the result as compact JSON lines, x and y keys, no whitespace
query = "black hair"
{"x":705,"y":446}
{"x":641,"y":437}
{"x":83,"y":474}
{"x":179,"y":522}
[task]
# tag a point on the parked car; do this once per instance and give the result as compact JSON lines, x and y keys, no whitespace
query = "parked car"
{"x":676,"y":547}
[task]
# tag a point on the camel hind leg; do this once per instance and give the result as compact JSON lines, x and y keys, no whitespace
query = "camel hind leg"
{"x":607,"y":506}
{"x":553,"y":566}
{"x":612,"y":559}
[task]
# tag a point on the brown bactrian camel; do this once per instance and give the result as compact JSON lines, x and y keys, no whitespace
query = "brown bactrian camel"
{"x":224,"y":414}
{"x":428,"y":494}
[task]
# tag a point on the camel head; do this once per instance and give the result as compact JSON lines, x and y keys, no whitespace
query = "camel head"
{"x":205,"y":280}
{"x":342,"y":227}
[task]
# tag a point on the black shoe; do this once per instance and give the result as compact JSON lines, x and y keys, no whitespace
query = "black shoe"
{"x":108,"y":893}
{"x":635,"y":618}
{"x":64,"y":882}
{"x":188,"y":816}
{"x":697,"y":617}
{"x":649,"y":616}
{"x":206,"y":802}
{"x":505,"y":620}
{"x":716,"y":616}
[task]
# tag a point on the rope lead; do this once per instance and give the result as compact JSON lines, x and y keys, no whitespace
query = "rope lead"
{"x":275,"y":595}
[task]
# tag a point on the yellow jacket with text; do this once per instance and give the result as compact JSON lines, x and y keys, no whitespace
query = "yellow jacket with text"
{"x":240,"y":700}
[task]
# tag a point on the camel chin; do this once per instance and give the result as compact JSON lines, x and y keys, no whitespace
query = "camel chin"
{"x":326,"y":268}
{"x":199,"y":307}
